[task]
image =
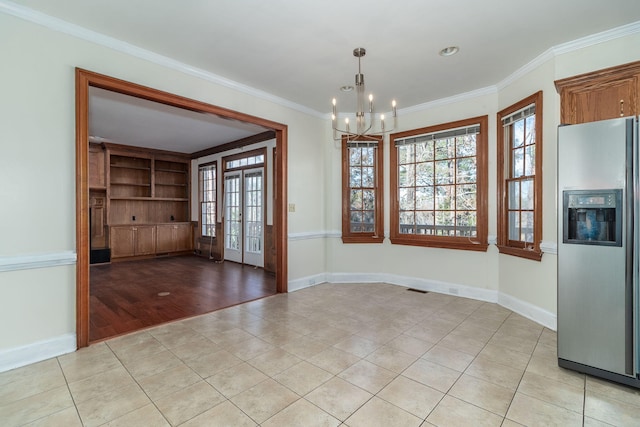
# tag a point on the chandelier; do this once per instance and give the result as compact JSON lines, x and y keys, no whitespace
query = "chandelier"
{"x":365,"y":126}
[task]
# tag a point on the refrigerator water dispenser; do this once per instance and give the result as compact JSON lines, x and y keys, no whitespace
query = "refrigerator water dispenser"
{"x":592,"y":217}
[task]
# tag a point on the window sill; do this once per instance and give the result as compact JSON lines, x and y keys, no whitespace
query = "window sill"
{"x":362,"y":239}
{"x":446,"y":243}
{"x":521,"y":252}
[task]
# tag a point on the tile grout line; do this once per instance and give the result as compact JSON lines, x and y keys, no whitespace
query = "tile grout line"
{"x":137,"y":383}
{"x":470,"y":363}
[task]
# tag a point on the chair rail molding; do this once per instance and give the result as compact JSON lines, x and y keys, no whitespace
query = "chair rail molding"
{"x":31,"y":261}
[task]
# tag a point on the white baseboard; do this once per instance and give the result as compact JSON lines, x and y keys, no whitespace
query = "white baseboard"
{"x":523,"y":308}
{"x":306,"y":282}
{"x":36,"y":352}
{"x":528,"y":310}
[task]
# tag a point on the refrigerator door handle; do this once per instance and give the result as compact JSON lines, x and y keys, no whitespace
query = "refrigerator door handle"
{"x":629,"y":246}
{"x":635,"y":281}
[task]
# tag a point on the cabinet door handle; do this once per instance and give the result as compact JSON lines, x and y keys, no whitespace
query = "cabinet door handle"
{"x":621,"y":107}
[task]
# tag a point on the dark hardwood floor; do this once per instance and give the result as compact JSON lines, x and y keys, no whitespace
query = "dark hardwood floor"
{"x":132,"y":295}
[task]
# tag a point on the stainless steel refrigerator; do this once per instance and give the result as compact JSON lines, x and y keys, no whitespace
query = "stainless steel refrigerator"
{"x":598,"y":247}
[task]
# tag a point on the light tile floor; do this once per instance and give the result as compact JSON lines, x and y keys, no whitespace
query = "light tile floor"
{"x":331,"y":355}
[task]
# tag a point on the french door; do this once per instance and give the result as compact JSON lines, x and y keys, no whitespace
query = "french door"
{"x":244,"y":216}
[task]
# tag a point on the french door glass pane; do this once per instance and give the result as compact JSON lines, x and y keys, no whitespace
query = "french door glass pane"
{"x":233,"y":212}
{"x":253,"y":212}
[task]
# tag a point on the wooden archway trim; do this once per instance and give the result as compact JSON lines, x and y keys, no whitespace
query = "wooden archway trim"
{"x":86,"y":79}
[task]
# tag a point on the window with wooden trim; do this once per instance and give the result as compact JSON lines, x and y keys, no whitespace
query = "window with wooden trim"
{"x":520,"y":178}
{"x":439,"y":185}
{"x":362,"y":220}
{"x":249,"y":159}
{"x":207,"y":177}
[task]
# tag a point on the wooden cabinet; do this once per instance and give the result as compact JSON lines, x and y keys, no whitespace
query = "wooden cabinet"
{"x":174,"y":238}
{"x":147,"y":201}
{"x":139,"y":240}
{"x":97,"y":215}
{"x":128,"y":241}
{"x":600,"y":95}
{"x":96,"y":167}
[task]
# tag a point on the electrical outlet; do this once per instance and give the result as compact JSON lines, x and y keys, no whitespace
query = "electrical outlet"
{"x":292,"y":207}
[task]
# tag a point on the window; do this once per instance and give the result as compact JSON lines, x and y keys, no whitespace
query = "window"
{"x":520,"y":178}
{"x":439,"y":186}
{"x":208,"y":195}
{"x":245,"y":161}
{"x":362,"y":220}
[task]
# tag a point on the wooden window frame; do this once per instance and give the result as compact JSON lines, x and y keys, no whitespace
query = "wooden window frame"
{"x":377,"y":236}
{"x":201,"y":194}
{"x":512,"y":247}
{"x":252,"y":153}
{"x":477,"y":243}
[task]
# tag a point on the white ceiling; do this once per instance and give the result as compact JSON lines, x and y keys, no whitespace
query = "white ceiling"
{"x":124,"y":119}
{"x":301,"y":51}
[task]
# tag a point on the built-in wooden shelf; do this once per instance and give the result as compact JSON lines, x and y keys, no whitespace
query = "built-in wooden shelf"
{"x":142,"y":200}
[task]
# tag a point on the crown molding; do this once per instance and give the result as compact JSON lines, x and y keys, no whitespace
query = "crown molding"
{"x":77,"y":31}
{"x":571,"y":46}
{"x":59,"y":25}
{"x":488,"y":90}
{"x":601,"y":37}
